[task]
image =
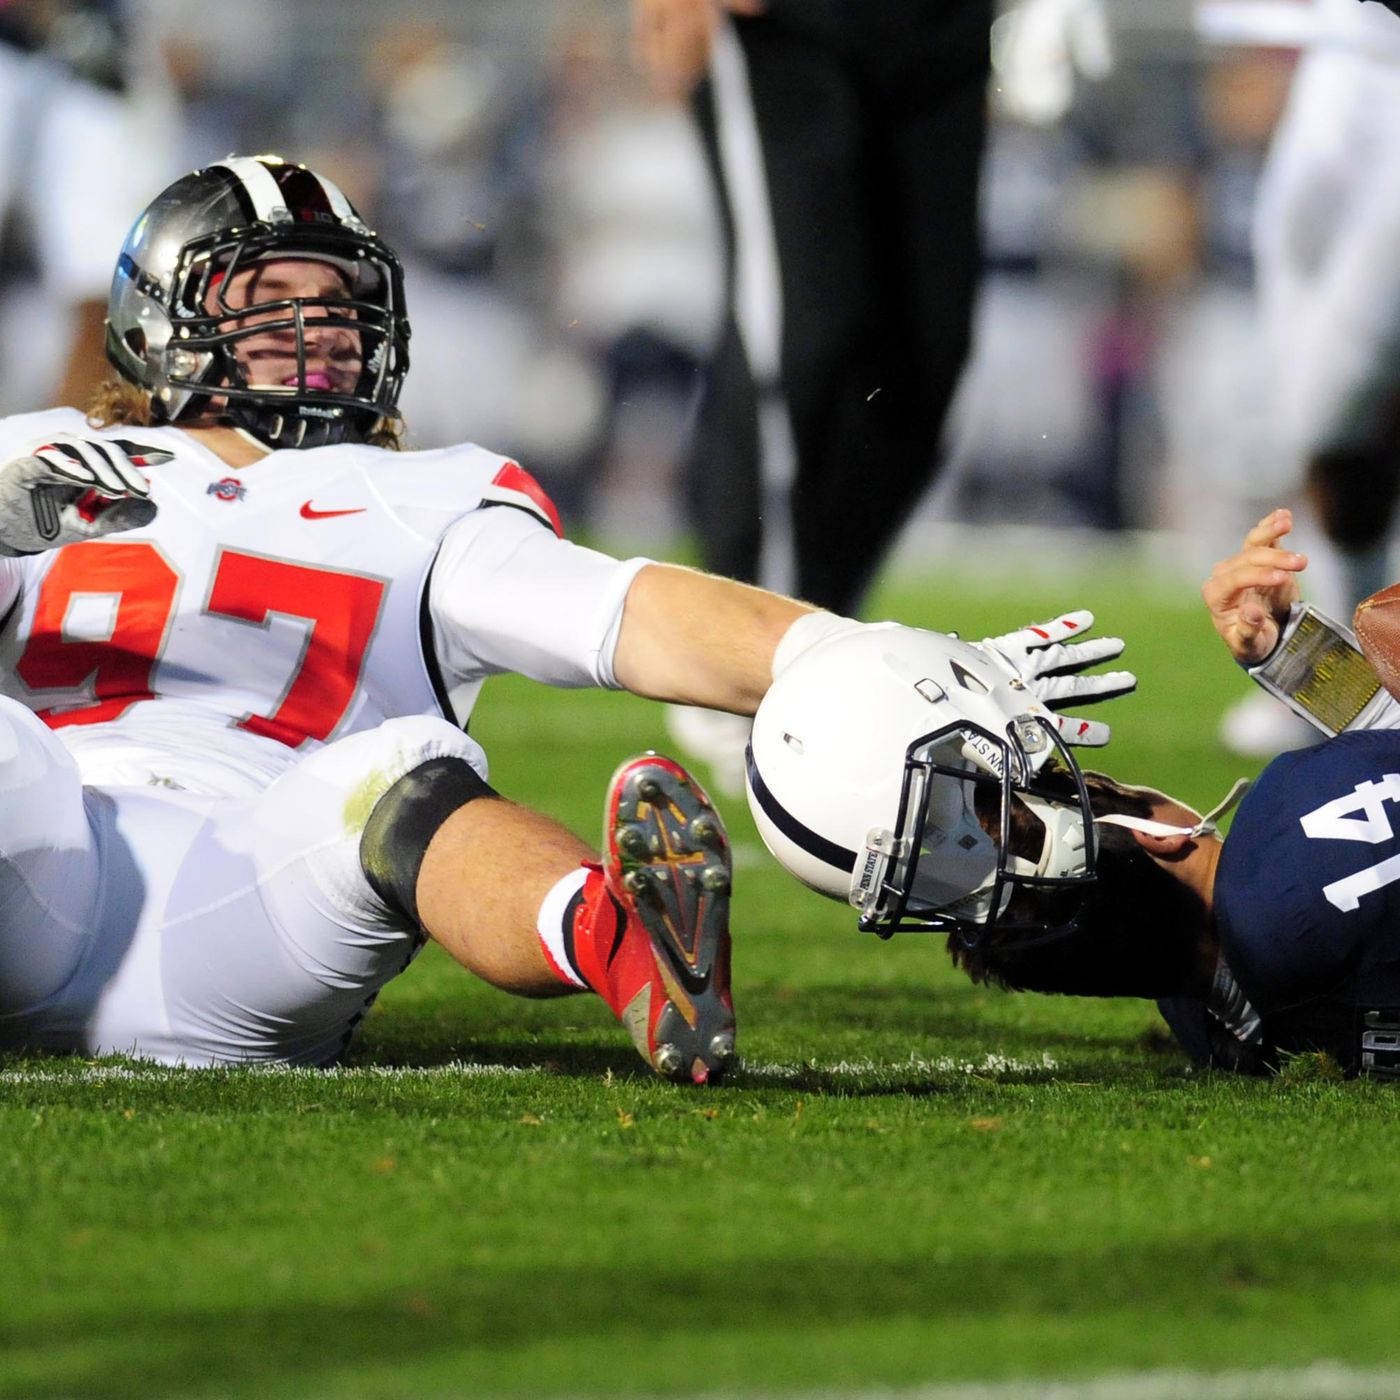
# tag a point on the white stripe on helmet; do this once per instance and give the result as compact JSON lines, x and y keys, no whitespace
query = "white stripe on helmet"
{"x":261,"y":188}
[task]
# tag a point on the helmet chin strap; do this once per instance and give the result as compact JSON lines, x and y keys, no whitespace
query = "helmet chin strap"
{"x":1207,"y":826}
{"x":276,"y":430}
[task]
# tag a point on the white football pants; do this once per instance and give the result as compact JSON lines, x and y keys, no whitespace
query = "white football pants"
{"x":198,"y":930}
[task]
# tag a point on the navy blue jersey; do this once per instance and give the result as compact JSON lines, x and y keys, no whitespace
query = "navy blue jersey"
{"x":1307,"y":895}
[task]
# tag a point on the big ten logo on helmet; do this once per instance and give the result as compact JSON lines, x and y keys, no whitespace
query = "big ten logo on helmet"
{"x":227,"y":488}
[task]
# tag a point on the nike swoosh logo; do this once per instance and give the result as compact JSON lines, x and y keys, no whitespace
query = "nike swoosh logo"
{"x":309,"y":512}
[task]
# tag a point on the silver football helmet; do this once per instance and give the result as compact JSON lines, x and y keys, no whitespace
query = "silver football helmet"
{"x":171,"y":330}
{"x":916,"y":777}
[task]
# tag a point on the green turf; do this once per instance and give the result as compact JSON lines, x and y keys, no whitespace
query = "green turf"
{"x":910,"y":1180}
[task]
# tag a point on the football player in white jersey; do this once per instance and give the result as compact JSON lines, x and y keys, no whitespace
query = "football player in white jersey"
{"x":241,"y":637}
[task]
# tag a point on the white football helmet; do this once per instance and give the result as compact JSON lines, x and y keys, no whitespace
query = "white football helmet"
{"x":916,"y":776}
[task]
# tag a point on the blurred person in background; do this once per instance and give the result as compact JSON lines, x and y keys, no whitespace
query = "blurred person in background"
{"x":846,"y":143}
{"x":456,"y":150}
{"x":1327,"y":260}
{"x":212,"y":80}
{"x":635,"y":265}
{"x":67,"y":189}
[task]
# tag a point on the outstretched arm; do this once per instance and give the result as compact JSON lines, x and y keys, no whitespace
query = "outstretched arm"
{"x":1250,"y":593}
{"x":704,"y":640}
{"x":700,"y":639}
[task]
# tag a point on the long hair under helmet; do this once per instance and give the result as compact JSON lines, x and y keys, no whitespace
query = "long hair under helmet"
{"x":171,"y":331}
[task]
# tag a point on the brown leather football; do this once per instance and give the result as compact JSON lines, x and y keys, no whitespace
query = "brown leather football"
{"x":1376,"y":623}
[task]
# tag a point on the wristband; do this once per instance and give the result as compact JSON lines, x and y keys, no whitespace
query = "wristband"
{"x":1319,"y":672}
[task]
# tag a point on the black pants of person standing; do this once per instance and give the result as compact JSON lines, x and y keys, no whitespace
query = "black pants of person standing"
{"x":846,"y":137}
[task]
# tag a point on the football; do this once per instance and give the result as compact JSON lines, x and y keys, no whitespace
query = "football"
{"x":1376,"y":623}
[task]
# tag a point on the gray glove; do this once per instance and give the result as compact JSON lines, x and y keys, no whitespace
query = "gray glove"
{"x":1050,"y":660}
{"x":75,"y":489}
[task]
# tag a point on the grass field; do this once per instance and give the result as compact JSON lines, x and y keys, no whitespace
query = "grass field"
{"x":909,"y":1182}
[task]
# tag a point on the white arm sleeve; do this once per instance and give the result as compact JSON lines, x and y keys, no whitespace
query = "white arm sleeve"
{"x":807,"y":631}
{"x":508,"y":595}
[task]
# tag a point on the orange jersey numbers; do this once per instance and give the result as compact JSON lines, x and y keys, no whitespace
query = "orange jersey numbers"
{"x":105,"y":609}
{"x":134,"y":586}
{"x":342,"y":610}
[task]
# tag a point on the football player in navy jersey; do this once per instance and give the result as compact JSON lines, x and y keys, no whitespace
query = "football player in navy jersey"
{"x":896,"y":772}
{"x":1284,"y":936}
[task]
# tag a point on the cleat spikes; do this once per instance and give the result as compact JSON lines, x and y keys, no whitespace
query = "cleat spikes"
{"x":631,"y":841}
{"x":667,"y":864}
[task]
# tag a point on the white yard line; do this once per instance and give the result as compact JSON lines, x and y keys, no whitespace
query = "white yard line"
{"x":990,"y":1066}
{"x":1323,"y":1380}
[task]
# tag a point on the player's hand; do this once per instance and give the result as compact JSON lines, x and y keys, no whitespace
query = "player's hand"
{"x":1249,"y":594}
{"x":1050,"y":659}
{"x":673,"y":39}
{"x":73,"y":489}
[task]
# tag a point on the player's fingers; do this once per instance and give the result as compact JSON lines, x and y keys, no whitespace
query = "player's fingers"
{"x":1084,"y":733}
{"x":1271,"y":528}
{"x":1250,"y":634}
{"x":141,"y":454}
{"x":1224,"y":588}
{"x":111,"y":470}
{"x":111,"y":474}
{"x":1260,"y":557}
{"x":1075,"y":656}
{"x":1252,"y":616}
{"x":62,"y":465}
{"x":1086,"y":690}
{"x":1070,"y":624}
{"x":89,"y":462}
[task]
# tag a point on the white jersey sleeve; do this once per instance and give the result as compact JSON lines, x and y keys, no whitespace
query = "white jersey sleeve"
{"x":507,"y":594}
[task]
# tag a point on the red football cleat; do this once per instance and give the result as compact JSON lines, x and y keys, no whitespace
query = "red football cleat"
{"x":664,"y":967}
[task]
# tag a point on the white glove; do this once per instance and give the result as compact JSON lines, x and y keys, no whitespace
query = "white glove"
{"x":1038,"y":656}
{"x":75,"y":489}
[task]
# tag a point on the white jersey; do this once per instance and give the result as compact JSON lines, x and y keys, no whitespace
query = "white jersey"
{"x":307,"y":597}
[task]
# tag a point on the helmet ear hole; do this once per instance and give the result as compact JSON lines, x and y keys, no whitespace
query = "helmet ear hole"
{"x":135,"y":341}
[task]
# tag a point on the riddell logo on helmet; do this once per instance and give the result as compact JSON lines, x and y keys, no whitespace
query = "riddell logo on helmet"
{"x":228,"y":488}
